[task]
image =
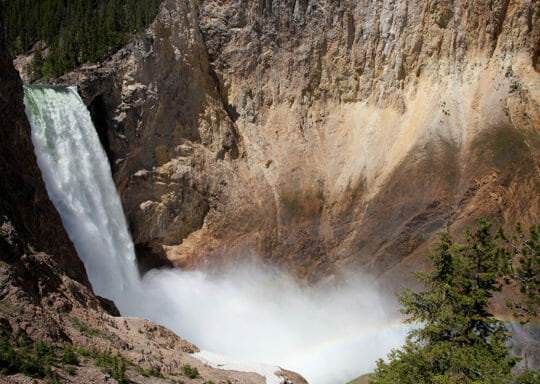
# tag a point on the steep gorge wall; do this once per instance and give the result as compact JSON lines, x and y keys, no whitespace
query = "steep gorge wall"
{"x":382,"y":120}
{"x":44,"y":290}
{"x":321,"y":135}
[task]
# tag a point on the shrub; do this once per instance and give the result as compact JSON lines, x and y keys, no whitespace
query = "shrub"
{"x":190,"y":371}
{"x":25,"y":356}
{"x":69,"y":356}
{"x":113,"y":365}
{"x":148,"y":372}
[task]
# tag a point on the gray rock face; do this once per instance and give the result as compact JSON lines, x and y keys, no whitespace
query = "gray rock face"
{"x":321,"y":135}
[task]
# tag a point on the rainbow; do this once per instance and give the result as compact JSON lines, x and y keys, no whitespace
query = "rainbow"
{"x":350,"y":339}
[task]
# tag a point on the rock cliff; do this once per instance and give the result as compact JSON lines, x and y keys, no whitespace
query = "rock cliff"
{"x":321,"y":135}
{"x":45,"y":294}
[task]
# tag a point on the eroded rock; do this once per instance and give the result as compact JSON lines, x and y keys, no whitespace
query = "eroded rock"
{"x":322,"y":135}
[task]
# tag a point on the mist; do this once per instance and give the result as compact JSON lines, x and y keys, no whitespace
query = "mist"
{"x":329,"y":333}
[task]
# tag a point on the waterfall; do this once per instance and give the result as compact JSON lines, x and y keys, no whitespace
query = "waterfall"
{"x":248,"y":313}
{"x":79,"y":183}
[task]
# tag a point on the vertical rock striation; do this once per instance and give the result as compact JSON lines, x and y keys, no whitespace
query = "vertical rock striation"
{"x":321,"y":135}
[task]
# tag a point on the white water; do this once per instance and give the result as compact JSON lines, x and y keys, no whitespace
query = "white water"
{"x":78,"y":179}
{"x":249,"y":313}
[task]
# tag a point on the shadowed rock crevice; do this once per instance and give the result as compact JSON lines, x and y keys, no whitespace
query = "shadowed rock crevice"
{"x":149,"y":258}
{"x":100,"y":118}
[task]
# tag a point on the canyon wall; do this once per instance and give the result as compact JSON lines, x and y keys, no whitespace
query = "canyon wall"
{"x":321,"y":135}
{"x":44,"y":289}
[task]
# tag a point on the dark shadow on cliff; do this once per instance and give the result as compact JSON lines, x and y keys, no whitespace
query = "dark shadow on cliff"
{"x":100,"y":118}
{"x":148,"y":258}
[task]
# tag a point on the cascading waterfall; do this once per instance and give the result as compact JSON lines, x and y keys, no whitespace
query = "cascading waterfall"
{"x":327,"y":335}
{"x":79,"y":183}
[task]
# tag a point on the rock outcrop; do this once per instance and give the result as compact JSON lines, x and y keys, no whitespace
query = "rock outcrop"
{"x":321,"y":135}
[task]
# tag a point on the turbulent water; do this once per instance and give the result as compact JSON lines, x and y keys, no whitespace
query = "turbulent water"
{"x":79,"y":183}
{"x":248,"y":313}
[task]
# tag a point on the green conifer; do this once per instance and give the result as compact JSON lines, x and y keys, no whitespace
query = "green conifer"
{"x":459,"y":340}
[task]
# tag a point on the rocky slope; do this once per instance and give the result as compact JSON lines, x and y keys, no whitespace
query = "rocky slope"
{"x":44,"y":290}
{"x":321,"y":135}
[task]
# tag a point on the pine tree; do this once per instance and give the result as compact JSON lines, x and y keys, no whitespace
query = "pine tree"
{"x":78,"y":30}
{"x":525,"y":271}
{"x":459,"y":340}
{"x":37,"y":62}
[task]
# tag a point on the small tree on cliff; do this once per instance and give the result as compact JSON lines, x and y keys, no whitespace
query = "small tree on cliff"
{"x":460,"y":341}
{"x":37,"y":62}
{"x":524,"y":270}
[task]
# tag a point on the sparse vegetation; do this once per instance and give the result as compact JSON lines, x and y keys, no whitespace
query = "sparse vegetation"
{"x":36,"y":359}
{"x":113,"y":365}
{"x":189,"y":371}
{"x":51,"y":377}
{"x":148,"y":372}
{"x":83,"y":352}
{"x":25,"y":356}
{"x":69,"y":356}
{"x":70,"y":370}
{"x":85,"y":329}
{"x":116,"y":366}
